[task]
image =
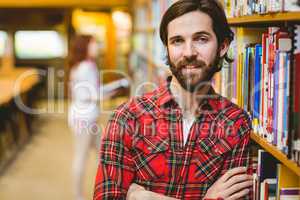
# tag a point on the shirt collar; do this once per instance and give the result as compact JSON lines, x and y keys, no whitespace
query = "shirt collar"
{"x":164,"y":96}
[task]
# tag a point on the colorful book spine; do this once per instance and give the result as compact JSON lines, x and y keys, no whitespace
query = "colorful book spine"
{"x":280,"y":101}
{"x":264,"y":87}
{"x":289,"y":193}
{"x":291,"y":6}
{"x":268,"y":189}
{"x":236,"y":8}
{"x":296,"y":97}
{"x":245,"y":73}
{"x":257,"y":85}
{"x":275,"y":103}
{"x":286,"y":104}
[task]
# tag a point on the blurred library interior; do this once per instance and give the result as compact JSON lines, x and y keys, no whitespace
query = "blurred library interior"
{"x":36,"y":143}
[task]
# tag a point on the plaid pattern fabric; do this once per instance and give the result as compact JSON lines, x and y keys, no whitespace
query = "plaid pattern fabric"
{"x":143,"y":144}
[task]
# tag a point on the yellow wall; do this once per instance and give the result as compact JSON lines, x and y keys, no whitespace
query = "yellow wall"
{"x":62,"y":3}
{"x":104,"y":22}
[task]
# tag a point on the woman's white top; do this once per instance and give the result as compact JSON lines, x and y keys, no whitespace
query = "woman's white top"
{"x":84,"y":91}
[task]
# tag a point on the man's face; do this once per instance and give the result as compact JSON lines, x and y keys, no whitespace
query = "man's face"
{"x":193,"y":50}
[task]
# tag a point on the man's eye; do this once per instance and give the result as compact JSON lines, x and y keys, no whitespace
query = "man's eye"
{"x":201,"y":39}
{"x":177,"y":41}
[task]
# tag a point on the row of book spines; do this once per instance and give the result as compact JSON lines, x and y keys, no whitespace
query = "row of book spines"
{"x":273,"y":179}
{"x":268,"y":191}
{"x":251,"y":79}
{"x":263,"y":106}
{"x":235,"y":8}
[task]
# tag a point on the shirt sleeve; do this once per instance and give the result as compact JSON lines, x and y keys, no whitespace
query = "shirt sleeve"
{"x":240,"y":154}
{"x":116,"y":170}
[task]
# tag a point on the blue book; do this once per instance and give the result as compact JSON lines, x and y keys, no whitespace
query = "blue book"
{"x":245,"y":78}
{"x":275,"y":99}
{"x":267,"y":165}
{"x":286,"y":102}
{"x":257,"y":80}
{"x":251,"y":84}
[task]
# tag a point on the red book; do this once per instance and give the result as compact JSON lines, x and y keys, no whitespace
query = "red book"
{"x":297,"y":82}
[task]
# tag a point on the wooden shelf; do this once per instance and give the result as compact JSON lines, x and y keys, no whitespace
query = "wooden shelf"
{"x":266,"y":18}
{"x":276,"y":153}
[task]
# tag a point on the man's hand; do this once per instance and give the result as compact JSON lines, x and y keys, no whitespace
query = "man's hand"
{"x":234,"y":184}
{"x":137,"y":192}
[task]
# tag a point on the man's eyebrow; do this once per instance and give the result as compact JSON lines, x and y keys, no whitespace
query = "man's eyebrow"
{"x":202,"y":33}
{"x":195,"y":34}
{"x":175,"y":37}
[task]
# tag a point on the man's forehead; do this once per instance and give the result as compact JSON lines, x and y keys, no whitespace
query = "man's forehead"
{"x":190,"y":23}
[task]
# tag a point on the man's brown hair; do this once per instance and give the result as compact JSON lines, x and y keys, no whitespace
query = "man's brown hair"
{"x":212,"y":8}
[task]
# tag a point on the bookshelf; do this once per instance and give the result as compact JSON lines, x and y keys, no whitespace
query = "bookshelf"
{"x":277,"y":154}
{"x":267,"y":18}
{"x":247,"y":33}
{"x":252,"y":30}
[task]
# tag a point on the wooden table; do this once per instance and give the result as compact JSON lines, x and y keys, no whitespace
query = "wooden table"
{"x":16,"y":82}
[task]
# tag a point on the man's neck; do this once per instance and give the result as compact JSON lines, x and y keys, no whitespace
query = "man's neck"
{"x":188,"y":101}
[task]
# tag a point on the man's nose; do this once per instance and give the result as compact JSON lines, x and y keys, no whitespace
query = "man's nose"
{"x":189,"y":50}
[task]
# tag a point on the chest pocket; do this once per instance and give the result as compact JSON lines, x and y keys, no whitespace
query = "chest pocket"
{"x":209,"y":156}
{"x":150,"y":157}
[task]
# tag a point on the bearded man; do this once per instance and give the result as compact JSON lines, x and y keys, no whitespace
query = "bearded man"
{"x":182,"y":140}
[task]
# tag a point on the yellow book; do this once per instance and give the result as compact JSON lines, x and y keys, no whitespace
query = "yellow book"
{"x":240,"y":48}
{"x":239,"y":80}
{"x":286,"y":178}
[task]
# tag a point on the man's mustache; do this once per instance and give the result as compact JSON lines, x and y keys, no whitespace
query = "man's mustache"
{"x":193,"y":62}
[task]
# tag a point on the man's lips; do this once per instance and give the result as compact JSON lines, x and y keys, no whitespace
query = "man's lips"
{"x":191,"y":70}
{"x":190,"y":67}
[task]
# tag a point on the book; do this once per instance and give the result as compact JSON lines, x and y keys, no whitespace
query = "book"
{"x":285,"y":178}
{"x":286,"y":104}
{"x":275,"y":103}
{"x":266,"y":169}
{"x":270,"y":87}
{"x":291,"y":5}
{"x":263,"y":85}
{"x":289,"y":194}
{"x":251,"y":83}
{"x":295,"y":151}
{"x":255,"y":187}
{"x":257,"y":84}
{"x":268,"y":189}
{"x":267,"y":165}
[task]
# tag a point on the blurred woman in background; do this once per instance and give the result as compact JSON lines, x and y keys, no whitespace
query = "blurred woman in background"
{"x":83,"y":110}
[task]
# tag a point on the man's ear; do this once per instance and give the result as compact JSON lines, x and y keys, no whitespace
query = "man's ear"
{"x":224,"y":48}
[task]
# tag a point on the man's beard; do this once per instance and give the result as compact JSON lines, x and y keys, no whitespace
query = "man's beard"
{"x":196,"y":78}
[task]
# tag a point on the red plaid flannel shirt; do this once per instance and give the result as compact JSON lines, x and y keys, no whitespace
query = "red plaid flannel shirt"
{"x":143,"y":144}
